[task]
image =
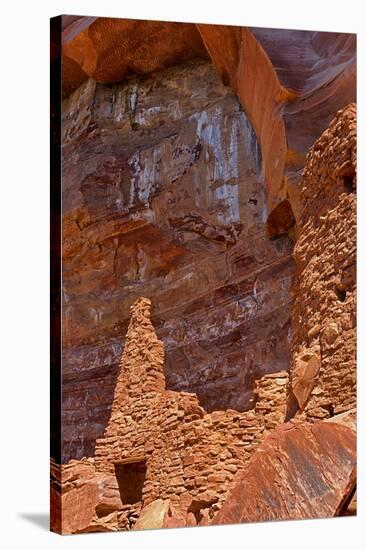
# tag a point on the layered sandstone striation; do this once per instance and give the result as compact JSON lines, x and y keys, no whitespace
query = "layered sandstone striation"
{"x":171,"y":186}
{"x":163,"y":196}
{"x":188,"y":179}
{"x":163,"y":461}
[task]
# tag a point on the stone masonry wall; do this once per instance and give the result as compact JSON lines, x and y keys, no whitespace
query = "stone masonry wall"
{"x":191,"y":457}
{"x":323,"y":369}
{"x":306,"y":468}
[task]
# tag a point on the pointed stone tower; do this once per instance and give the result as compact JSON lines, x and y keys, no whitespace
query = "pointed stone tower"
{"x":161,"y":444}
{"x":139,"y":388}
{"x":142,"y":361}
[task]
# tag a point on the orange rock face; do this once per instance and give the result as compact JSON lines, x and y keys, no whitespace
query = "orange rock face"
{"x":110,"y":50}
{"x":318,"y":73}
{"x":154,"y":516}
{"x":74,"y":495}
{"x":290,"y":84}
{"x":163,"y":196}
{"x":300,"y":471}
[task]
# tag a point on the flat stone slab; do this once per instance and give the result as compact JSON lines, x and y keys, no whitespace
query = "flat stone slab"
{"x":300,"y":471}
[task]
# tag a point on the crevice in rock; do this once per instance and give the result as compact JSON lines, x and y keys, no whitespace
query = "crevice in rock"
{"x":292,"y":406}
{"x":280,"y":220}
{"x":348,"y":183}
{"x":346,"y":509}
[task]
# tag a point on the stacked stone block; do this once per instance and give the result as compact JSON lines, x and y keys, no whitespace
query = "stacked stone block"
{"x":323,"y":369}
{"x":191,"y":457}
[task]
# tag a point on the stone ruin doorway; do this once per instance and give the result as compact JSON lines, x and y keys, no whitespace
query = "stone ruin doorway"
{"x":131,"y":474}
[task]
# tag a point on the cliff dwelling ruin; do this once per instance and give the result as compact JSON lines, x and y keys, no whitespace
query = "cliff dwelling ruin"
{"x":181,"y":220}
{"x":209,"y":283}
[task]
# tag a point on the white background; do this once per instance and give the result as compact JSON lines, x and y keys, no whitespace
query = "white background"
{"x":24,"y":283}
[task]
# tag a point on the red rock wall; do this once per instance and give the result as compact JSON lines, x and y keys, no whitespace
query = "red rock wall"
{"x":166,"y":195}
{"x":290,"y":83}
{"x":301,"y":471}
{"x":163,"y":196}
{"x":110,"y":49}
{"x":318,"y":69}
{"x":254,"y":79}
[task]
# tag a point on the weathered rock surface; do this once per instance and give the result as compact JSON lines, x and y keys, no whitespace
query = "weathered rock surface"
{"x":190,"y":457}
{"x":290,"y":83}
{"x":307,"y":470}
{"x":153,"y":516}
{"x":111,"y":50}
{"x":74,"y":495}
{"x":163,"y":196}
{"x":299,"y":471}
{"x":318,"y":72}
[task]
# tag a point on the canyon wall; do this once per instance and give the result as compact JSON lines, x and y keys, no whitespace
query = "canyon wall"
{"x":163,"y":196}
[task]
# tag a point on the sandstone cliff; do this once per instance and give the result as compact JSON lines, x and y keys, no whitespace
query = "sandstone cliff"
{"x":209,"y":280}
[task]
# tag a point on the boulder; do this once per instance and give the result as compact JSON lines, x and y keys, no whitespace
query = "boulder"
{"x":153,"y":516}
